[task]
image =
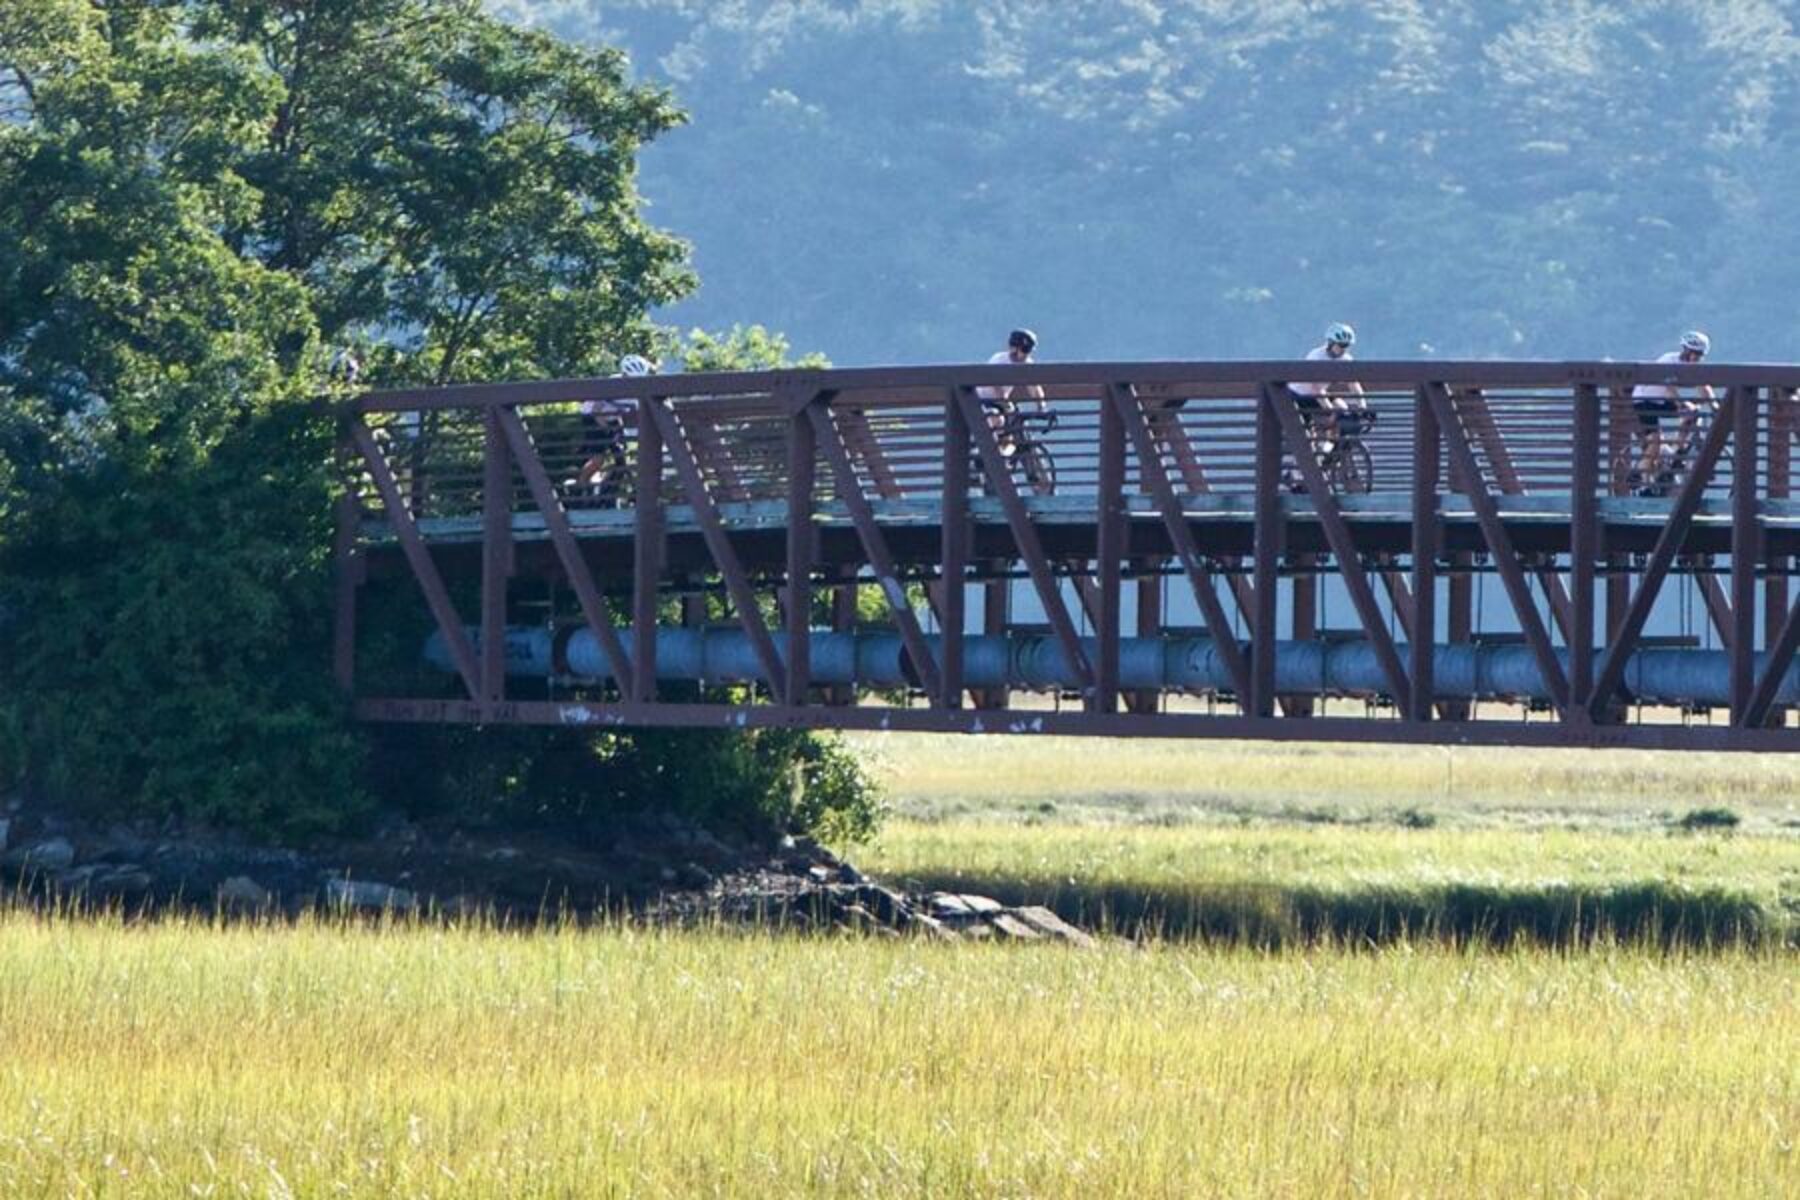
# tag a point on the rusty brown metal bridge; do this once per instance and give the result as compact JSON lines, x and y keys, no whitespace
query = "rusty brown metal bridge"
{"x":1176,"y":554}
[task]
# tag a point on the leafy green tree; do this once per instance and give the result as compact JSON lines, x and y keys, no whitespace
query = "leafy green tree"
{"x":199,"y":201}
{"x":454,"y":190}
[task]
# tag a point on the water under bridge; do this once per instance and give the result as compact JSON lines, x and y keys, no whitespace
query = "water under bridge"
{"x":1174,"y":555}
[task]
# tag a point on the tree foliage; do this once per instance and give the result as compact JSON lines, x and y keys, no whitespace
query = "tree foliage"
{"x":1221,"y":178}
{"x":200,"y":201}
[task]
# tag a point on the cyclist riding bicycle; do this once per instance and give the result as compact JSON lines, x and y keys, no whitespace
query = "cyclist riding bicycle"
{"x":1654,"y":401}
{"x":1331,"y":411}
{"x":603,"y":436}
{"x":997,"y":402}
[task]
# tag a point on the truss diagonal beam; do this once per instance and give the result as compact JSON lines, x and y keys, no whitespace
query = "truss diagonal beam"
{"x":875,"y":545}
{"x":718,"y":544}
{"x":418,"y":557}
{"x":1500,"y":545}
{"x":1668,"y":543}
{"x":1025,"y":537}
{"x":1181,"y":536}
{"x":1337,"y":534}
{"x":1478,"y":418}
{"x":594,"y":609}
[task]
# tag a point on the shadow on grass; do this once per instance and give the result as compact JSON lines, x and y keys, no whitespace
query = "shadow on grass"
{"x":1272,"y":916}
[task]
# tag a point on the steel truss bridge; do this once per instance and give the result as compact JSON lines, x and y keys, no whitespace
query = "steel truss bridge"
{"x":1195,"y":571}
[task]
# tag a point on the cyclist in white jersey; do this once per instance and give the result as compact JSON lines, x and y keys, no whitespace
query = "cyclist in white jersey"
{"x":997,"y":402}
{"x":1331,"y":410}
{"x":603,"y":436}
{"x":1654,"y":401}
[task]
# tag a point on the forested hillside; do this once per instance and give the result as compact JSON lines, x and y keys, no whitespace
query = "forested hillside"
{"x":899,"y":180}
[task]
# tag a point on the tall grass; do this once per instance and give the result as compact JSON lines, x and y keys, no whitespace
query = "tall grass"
{"x":1272,"y":886}
{"x":944,"y":777}
{"x":182,"y":1059}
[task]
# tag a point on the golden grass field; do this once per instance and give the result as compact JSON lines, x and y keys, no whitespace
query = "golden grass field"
{"x":1405,"y":1050}
{"x":186,"y":1059}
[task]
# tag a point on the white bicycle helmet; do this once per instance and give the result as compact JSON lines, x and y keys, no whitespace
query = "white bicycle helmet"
{"x":1340,"y":334}
{"x":636,"y":365}
{"x":1696,"y":342}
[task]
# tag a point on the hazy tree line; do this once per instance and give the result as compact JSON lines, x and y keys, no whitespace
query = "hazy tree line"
{"x":899,"y":179}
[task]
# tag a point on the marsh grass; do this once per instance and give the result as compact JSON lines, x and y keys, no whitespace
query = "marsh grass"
{"x":1132,"y":781}
{"x":184,"y":1058}
{"x":1279,"y":886}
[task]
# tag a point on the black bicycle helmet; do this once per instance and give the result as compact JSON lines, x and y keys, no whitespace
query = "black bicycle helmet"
{"x":1024,"y":339}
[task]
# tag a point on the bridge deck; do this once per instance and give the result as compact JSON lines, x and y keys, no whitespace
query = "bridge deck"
{"x":768,"y":489}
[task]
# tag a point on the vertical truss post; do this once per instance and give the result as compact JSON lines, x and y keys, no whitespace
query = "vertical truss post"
{"x":996,"y":618}
{"x":347,"y":573}
{"x":1268,"y":539}
{"x":647,"y":550}
{"x":1778,"y":486}
{"x":496,"y":555}
{"x":1668,"y":544}
{"x":1746,"y":550}
{"x":843,"y":620}
{"x":1149,"y":625}
{"x":1426,"y":538}
{"x":1303,"y":594}
{"x":802,"y":546}
{"x":1621,"y":425}
{"x":1584,"y":548}
{"x":953,"y":602}
{"x":1110,"y":554}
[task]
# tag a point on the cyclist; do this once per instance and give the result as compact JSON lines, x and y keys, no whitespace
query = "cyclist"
{"x":1654,"y":401}
{"x":998,"y":403}
{"x":1330,"y":410}
{"x":603,"y":435}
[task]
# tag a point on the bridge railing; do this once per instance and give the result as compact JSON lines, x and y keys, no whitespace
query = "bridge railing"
{"x":567,"y":460}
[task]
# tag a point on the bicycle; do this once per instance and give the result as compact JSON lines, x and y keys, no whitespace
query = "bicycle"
{"x":1021,"y":439}
{"x":1672,"y":455}
{"x":1337,"y":442}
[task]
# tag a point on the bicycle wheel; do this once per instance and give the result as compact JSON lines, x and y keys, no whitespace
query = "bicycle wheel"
{"x":1352,"y":469}
{"x":1040,"y":470}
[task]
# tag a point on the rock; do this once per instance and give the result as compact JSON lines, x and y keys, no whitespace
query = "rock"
{"x":367,"y":894}
{"x":1012,"y":927}
{"x":948,"y":905}
{"x":1052,"y":926}
{"x":77,"y":879}
{"x":123,"y":839}
{"x":951,"y":906}
{"x":667,"y":874}
{"x":126,"y":880}
{"x":888,"y":906}
{"x":241,"y":893}
{"x":821,"y":874}
{"x":693,"y":875}
{"x":849,"y":874}
{"x":930,"y":926}
{"x":53,"y":854}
